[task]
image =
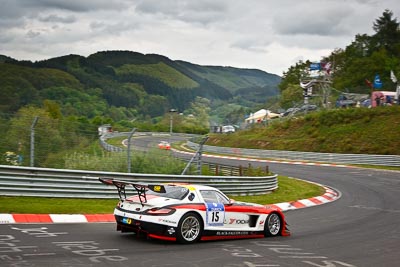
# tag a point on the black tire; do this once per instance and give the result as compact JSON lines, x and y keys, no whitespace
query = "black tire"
{"x":189,"y":229}
{"x":273,"y":225}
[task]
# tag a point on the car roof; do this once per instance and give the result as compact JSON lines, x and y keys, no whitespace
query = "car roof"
{"x":193,"y":186}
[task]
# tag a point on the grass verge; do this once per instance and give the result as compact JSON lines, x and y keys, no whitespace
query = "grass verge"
{"x":289,"y":190}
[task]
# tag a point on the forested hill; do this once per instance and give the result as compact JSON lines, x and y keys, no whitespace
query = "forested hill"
{"x":146,"y":84}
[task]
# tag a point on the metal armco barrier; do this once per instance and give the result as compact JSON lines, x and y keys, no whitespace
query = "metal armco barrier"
{"x":43,"y":182}
{"x":362,"y":159}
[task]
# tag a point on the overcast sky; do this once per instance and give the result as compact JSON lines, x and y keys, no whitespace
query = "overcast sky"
{"x":262,"y":34}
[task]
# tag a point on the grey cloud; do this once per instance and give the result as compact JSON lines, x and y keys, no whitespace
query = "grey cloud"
{"x":5,"y":38}
{"x":10,"y":14}
{"x":56,"y":18}
{"x":16,"y":15}
{"x":11,"y":23}
{"x":203,"y":12}
{"x":251,"y":44}
{"x":74,"y":5}
{"x":116,"y":28}
{"x":216,"y":30}
{"x":318,"y":20}
{"x":13,"y":13}
{"x":9,"y":9}
{"x":32,"y":34}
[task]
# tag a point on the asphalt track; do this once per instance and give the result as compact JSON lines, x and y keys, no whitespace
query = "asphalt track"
{"x":362,"y":228}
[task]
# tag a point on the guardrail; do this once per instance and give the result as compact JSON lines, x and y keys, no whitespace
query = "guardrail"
{"x":362,"y":159}
{"x":43,"y":182}
{"x":219,"y":169}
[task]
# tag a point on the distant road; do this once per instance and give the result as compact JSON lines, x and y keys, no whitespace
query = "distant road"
{"x":146,"y":142}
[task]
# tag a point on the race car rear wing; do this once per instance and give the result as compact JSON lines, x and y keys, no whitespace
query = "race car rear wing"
{"x":140,"y":188}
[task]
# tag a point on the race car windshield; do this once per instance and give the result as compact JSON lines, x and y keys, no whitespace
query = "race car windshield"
{"x":175,"y":192}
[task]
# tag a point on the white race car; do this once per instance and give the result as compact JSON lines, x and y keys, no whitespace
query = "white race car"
{"x":164,"y":145}
{"x":188,"y":213}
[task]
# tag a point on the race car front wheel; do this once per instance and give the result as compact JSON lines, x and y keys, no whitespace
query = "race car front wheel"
{"x":273,"y":225}
{"x":189,"y":228}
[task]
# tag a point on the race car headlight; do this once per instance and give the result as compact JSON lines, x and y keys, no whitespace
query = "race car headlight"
{"x":160,"y":211}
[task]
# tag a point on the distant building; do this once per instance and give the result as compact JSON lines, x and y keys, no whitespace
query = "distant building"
{"x":260,"y":116}
{"x":382,"y":98}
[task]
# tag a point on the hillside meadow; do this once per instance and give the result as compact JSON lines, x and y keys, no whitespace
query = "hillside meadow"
{"x":353,"y":130}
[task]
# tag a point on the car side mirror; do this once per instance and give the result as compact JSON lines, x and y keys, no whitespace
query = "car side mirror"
{"x":231,"y":202}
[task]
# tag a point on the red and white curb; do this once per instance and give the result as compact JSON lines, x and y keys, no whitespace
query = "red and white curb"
{"x":55,"y":218}
{"x":329,"y":196}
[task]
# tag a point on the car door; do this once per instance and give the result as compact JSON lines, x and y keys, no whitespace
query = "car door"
{"x":221,"y":213}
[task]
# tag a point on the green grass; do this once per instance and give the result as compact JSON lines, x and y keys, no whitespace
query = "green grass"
{"x":44,"y":205}
{"x":117,"y":141}
{"x":357,"y":130}
{"x":289,"y":190}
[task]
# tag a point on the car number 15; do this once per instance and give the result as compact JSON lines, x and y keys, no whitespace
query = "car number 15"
{"x":215,"y":214}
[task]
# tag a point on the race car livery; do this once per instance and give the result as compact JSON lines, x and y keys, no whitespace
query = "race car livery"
{"x":187,"y":213}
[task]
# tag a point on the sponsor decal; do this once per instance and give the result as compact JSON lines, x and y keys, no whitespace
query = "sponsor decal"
{"x":238,"y":221}
{"x":157,"y":188}
{"x":166,"y":221}
{"x":127,"y":220}
{"x":226,"y":233}
{"x":191,"y":188}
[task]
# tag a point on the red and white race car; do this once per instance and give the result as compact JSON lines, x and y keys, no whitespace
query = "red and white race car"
{"x":164,"y":145}
{"x":188,"y":213}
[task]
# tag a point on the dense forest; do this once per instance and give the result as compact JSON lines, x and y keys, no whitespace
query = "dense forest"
{"x":126,"y":85}
{"x":63,"y":100}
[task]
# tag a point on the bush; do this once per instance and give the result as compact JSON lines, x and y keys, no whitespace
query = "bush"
{"x":141,"y":162}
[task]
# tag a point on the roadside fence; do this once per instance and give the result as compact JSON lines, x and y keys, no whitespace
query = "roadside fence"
{"x":360,"y":159}
{"x":219,"y":169}
{"x":43,"y":182}
{"x":336,"y":158}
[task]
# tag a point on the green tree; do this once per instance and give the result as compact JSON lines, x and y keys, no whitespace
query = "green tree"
{"x":52,"y":108}
{"x":199,"y":109}
{"x":292,"y":94}
{"x":387,"y":33}
{"x":155,"y":105}
{"x":47,"y":134}
{"x":294,"y":74}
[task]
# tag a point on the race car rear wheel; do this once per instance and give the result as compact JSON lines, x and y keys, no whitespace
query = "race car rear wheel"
{"x":189,"y":228}
{"x":273,"y":225}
